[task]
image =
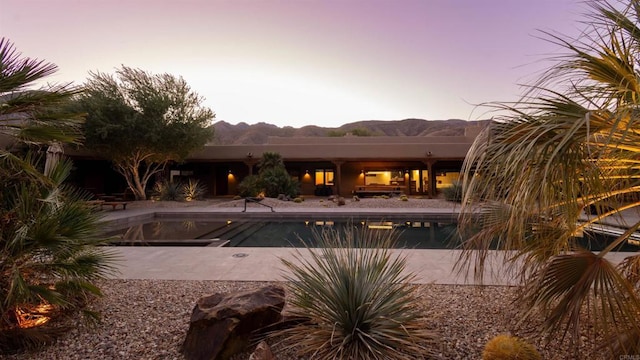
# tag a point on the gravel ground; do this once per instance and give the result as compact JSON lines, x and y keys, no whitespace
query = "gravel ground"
{"x":148,"y":319}
{"x":309,"y":202}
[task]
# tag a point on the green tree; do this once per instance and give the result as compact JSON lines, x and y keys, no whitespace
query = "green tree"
{"x":336,"y":133}
{"x":361,"y":131}
{"x":141,"y":121}
{"x":572,"y":144}
{"x":48,"y":257}
{"x":274,"y":178}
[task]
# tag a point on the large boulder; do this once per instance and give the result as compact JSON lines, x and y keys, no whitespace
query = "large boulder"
{"x":223,"y":324}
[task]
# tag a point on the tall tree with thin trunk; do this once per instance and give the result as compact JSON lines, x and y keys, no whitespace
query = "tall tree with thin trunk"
{"x":565,"y":157}
{"x":141,"y":121}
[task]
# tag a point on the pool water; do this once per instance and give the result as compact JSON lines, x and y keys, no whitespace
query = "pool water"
{"x":410,"y":233}
{"x":279,"y":233}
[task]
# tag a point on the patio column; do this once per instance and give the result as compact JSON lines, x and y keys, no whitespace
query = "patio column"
{"x":431,"y":179}
{"x":250,"y":163}
{"x":338,"y":178}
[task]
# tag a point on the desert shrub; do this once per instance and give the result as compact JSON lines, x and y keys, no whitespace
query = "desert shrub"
{"x":404,"y":198}
{"x":276,"y":181}
{"x":298,"y":200}
{"x":250,"y":186}
{"x":384,"y":197}
{"x":453,"y":192}
{"x":50,"y":240}
{"x":358,"y":302}
{"x":193,"y":190}
{"x":505,"y":347}
{"x":50,"y":255}
{"x":271,"y":181}
{"x":167,"y":191}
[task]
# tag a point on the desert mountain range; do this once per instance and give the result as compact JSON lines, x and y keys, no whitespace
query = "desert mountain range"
{"x":245,"y":134}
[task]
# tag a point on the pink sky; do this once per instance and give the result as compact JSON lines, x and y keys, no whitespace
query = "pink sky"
{"x":302,"y":62}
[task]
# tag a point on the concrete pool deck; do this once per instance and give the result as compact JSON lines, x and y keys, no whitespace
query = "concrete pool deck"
{"x":264,"y":264}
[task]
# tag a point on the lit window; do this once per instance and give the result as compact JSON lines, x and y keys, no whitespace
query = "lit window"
{"x":324,"y":177}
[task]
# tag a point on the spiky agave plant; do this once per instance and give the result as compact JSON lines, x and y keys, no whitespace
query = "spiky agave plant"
{"x":357,"y":298}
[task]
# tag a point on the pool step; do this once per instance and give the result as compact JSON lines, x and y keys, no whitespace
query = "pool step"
{"x":247,"y":233}
{"x":232,"y":230}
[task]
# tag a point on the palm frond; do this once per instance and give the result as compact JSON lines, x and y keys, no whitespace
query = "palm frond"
{"x":574,"y":283}
{"x":569,"y":145}
{"x":630,"y":269}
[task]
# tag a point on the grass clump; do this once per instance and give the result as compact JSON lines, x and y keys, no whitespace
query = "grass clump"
{"x":298,"y":200}
{"x":404,"y":198}
{"x":356,"y":302}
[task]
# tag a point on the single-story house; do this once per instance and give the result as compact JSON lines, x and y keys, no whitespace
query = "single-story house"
{"x":413,"y":165}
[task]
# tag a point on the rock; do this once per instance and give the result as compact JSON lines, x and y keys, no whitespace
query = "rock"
{"x":262,"y":352}
{"x":222,"y":325}
{"x":341,"y":201}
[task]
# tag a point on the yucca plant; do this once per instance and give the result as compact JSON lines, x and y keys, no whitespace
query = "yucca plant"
{"x":357,"y":299}
{"x":571,"y":143}
{"x":167,"y":190}
{"x":193,"y":190}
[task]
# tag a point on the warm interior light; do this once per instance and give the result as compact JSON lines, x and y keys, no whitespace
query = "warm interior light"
{"x":383,"y":225}
{"x":380,"y":227}
{"x":228,"y":222}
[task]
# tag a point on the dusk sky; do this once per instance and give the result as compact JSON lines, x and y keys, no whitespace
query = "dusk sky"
{"x":305,"y":62}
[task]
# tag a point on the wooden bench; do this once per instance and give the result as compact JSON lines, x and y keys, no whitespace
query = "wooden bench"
{"x":373,"y":190}
{"x":115,"y":204}
{"x":94,"y":205}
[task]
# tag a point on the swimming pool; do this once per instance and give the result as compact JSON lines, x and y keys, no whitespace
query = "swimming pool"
{"x":412,"y":233}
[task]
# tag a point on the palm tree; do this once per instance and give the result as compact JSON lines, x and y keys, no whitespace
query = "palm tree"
{"x":270,"y":160}
{"x":48,"y":237}
{"x":572,"y":144}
